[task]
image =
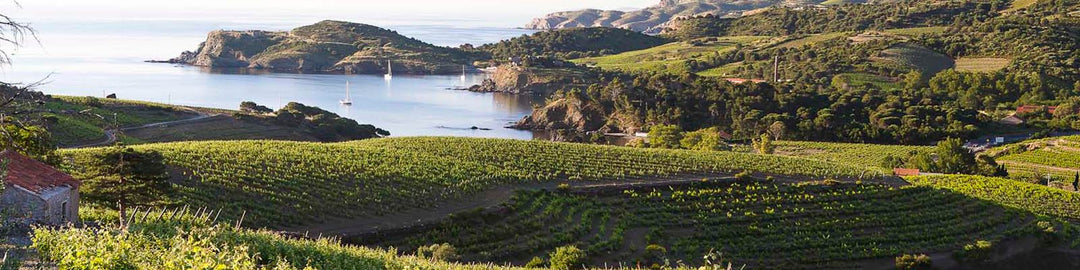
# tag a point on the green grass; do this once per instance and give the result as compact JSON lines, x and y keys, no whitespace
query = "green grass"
{"x":73,"y":127}
{"x":884,"y":83}
{"x":667,"y":58}
{"x":283,"y":183}
{"x":721,"y":71}
{"x":907,"y":55}
{"x":1020,"y":4}
{"x":981,"y":64}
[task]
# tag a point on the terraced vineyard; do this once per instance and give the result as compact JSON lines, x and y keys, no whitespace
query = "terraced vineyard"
{"x":668,"y":58}
{"x":1033,"y":198}
{"x":762,"y":225}
{"x":283,"y":183}
{"x":1058,"y":157}
{"x":855,"y":154}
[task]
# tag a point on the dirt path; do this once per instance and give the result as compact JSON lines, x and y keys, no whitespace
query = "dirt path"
{"x":1040,"y":166}
{"x":110,"y":135}
{"x":503,"y":193}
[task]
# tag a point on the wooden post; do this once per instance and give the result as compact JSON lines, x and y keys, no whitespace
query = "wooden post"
{"x":216,"y":216}
{"x":241,"y":221}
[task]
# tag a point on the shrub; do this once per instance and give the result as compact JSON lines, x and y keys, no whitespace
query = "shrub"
{"x":913,"y":262}
{"x":563,"y":187}
{"x":655,"y":253}
{"x":744,"y":176}
{"x":667,"y":137}
{"x":978,"y":251}
{"x":536,"y":262}
{"x":439,"y":252}
{"x":764,"y":145}
{"x":567,"y":257}
{"x":637,"y":143}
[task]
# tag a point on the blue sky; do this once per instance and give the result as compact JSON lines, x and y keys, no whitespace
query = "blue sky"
{"x":500,"y":13}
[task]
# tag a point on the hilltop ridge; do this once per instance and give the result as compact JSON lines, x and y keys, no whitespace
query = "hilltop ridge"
{"x":327,"y":46}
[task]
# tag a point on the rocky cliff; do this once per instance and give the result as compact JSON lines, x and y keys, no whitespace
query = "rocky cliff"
{"x":538,"y":81}
{"x":654,"y":19}
{"x":564,"y":114}
{"x":327,"y":46}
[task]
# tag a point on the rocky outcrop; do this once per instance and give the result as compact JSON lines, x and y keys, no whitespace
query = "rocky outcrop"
{"x":327,"y":46}
{"x":564,"y":114}
{"x":538,"y":81}
{"x":654,"y":19}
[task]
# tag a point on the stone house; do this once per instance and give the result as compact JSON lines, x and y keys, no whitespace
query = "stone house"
{"x":38,"y":192}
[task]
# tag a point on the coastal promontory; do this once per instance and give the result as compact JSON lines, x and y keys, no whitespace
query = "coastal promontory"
{"x":327,"y":46}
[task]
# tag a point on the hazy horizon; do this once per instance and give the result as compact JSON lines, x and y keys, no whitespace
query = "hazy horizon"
{"x":485,"y":13}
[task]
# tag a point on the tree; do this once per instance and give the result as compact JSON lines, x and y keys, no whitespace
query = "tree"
{"x":704,"y":139}
{"x":764,"y":145}
{"x":567,"y":257}
{"x":776,"y":130}
{"x":126,"y":176}
{"x":954,"y":158}
{"x":914,"y":262}
{"x":914,"y":80}
{"x":665,"y":136}
{"x":1076,"y":182}
{"x":252,"y":107}
{"x":439,"y":252}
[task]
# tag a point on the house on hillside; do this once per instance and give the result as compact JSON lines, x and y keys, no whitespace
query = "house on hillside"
{"x":1035,"y":108}
{"x":38,"y":191}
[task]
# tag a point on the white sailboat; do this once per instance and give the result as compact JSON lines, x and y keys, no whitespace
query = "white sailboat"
{"x":348,"y":98}
{"x":389,"y":71}
{"x":463,"y":73}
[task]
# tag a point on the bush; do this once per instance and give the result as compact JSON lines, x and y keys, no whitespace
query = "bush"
{"x":764,"y":145}
{"x":913,"y":262}
{"x":567,"y":257}
{"x":975,"y":252}
{"x":536,"y":262}
{"x":744,"y":176}
{"x":667,"y":137}
{"x":637,"y":143}
{"x":655,"y":253}
{"x":563,"y":187}
{"x":439,"y":252}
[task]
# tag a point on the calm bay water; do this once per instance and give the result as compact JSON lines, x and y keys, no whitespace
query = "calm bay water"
{"x":92,"y":59}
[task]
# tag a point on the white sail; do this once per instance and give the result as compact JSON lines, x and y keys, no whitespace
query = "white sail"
{"x":463,"y":73}
{"x":348,"y":96}
{"x":389,"y":71}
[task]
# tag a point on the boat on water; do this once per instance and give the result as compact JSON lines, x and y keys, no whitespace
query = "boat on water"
{"x":389,"y":71}
{"x":348,"y":98}
{"x":463,"y":73}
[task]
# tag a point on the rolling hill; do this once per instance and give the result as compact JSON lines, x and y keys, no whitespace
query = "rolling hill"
{"x":327,"y":46}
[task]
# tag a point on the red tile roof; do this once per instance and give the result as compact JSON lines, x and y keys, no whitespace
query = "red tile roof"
{"x":905,"y":172}
{"x":1035,"y":108}
{"x":741,"y":80}
{"x":33,"y":175}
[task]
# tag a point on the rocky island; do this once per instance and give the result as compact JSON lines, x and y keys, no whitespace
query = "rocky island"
{"x":327,"y":46}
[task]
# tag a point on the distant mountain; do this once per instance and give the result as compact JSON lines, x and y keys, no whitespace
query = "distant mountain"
{"x":653,"y":19}
{"x":327,"y":46}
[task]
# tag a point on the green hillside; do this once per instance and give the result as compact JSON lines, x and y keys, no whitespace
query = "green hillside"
{"x":915,"y":57}
{"x":671,"y":58}
{"x":293,"y":183}
{"x":1057,"y":157}
{"x":573,"y":43}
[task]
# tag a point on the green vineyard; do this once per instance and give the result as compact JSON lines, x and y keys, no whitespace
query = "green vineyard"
{"x":1057,"y":157}
{"x":762,"y":225}
{"x":282,"y":183}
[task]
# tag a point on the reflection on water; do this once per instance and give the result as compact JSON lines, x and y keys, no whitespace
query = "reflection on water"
{"x":92,"y":58}
{"x":406,"y":105}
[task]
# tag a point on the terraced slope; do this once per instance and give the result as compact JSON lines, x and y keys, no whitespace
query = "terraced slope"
{"x":669,"y":58}
{"x":283,"y":183}
{"x":1058,"y":157}
{"x":762,"y":225}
